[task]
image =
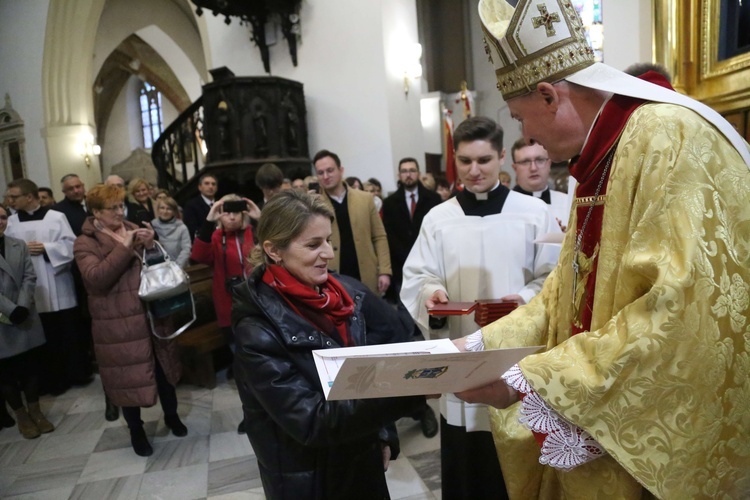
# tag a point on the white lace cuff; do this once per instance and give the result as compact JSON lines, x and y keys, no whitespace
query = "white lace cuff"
{"x":566,"y":446}
{"x":475,"y":341}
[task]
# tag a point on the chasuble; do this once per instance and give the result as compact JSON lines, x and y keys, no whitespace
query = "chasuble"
{"x":661,"y":376}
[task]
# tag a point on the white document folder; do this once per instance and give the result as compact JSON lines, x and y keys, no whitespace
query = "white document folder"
{"x":410,"y":369}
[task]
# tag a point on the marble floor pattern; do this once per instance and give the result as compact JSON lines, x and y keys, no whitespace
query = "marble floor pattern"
{"x":87,"y":457}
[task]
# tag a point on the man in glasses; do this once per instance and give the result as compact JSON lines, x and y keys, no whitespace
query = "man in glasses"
{"x":532,"y":166}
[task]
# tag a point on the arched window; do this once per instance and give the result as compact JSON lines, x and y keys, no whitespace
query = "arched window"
{"x":151,"y":119}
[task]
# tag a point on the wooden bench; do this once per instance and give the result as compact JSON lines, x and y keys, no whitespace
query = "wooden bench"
{"x":199,"y":342}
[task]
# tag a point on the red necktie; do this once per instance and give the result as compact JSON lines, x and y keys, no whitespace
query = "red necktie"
{"x":412,"y":206}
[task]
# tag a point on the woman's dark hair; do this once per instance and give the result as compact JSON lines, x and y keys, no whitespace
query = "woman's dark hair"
{"x":350,"y":181}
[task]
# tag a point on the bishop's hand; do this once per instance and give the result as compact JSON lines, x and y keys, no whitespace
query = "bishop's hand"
{"x":497,"y":394}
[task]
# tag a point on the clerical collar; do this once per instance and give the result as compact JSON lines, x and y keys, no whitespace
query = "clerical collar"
{"x":491,"y":203}
{"x":32,"y":212}
{"x":38,"y":214}
{"x":487,"y":194}
{"x":542,"y":195}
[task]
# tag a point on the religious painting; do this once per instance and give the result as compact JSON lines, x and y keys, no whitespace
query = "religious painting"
{"x":725,"y":37}
{"x":734,"y":29}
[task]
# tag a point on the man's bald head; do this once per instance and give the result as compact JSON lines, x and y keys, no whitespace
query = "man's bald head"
{"x":115,"y":180}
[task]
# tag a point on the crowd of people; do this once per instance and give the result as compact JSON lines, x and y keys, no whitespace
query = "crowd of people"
{"x":641,"y":388}
{"x":86,"y":252}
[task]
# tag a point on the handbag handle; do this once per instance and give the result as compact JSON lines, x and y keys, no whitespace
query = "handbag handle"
{"x":179,"y":330}
{"x":161,"y":249}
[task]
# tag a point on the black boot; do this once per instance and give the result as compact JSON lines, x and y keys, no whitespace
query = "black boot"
{"x":112,"y":412}
{"x":6,"y":420}
{"x":427,"y":421}
{"x":140,"y":443}
{"x":175,"y":425}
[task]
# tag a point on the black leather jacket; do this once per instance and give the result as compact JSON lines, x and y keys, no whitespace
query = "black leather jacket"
{"x":308,"y":447}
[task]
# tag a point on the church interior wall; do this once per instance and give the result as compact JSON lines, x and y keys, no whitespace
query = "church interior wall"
{"x":124,"y":131}
{"x":353,"y":84}
{"x":404,"y":116}
{"x":121,"y":18}
{"x":627,"y":32}
{"x":181,"y":64}
{"x":123,"y":127}
{"x":21,"y":48}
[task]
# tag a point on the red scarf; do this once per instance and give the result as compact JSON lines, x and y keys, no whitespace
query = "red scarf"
{"x":328,"y":310}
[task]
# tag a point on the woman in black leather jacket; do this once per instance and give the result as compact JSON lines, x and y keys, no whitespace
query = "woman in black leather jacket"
{"x":308,"y":447}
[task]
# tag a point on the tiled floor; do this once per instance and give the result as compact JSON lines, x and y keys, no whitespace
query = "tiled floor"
{"x":87,"y":457}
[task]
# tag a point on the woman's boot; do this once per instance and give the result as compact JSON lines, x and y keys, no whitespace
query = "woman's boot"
{"x":111,"y":412}
{"x":44,"y":425}
{"x":26,"y":425}
{"x":175,"y":425}
{"x":140,"y":443}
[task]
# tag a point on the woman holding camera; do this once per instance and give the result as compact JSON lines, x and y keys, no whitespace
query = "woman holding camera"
{"x":227,"y":249}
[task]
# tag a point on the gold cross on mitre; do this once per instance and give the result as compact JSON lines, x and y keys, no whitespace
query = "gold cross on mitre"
{"x":546,"y":19}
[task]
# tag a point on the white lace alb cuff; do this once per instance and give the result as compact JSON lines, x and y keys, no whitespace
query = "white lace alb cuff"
{"x":566,"y":446}
{"x":475,"y":341}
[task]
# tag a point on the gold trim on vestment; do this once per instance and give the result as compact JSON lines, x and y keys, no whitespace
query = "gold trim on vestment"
{"x":586,"y":201}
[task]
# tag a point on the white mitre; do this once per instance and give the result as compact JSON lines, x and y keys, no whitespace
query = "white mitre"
{"x":544,"y":41}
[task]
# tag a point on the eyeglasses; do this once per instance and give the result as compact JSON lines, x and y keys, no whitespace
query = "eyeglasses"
{"x":116,"y":208}
{"x":539,"y":162}
{"x":3,"y":217}
{"x":14,"y":196}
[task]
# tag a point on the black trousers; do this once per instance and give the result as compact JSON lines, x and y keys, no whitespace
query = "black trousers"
{"x":167,"y":398}
{"x":470,"y":468}
{"x":20,"y":374}
{"x":66,"y":360}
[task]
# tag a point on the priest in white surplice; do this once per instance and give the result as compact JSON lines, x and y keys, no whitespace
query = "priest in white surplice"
{"x":50,"y":240}
{"x":477,"y":245}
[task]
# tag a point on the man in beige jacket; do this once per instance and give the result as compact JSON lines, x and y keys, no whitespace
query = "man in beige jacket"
{"x":358,"y":239}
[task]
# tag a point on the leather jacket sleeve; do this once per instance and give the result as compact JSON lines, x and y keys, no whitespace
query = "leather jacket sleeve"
{"x":283,"y":381}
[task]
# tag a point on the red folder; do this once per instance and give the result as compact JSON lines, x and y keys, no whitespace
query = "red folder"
{"x":452,"y":309}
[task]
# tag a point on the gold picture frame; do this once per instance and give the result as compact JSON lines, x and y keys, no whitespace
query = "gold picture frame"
{"x":710,"y":65}
{"x":686,"y":40}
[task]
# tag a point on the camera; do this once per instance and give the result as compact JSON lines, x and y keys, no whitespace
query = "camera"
{"x":234,"y":206}
{"x":231,"y":282}
{"x":314,"y":186}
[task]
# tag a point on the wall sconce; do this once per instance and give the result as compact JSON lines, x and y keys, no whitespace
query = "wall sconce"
{"x":87,"y":148}
{"x":413,"y":67}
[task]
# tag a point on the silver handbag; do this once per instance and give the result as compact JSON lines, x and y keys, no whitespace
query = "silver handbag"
{"x":163,"y":280}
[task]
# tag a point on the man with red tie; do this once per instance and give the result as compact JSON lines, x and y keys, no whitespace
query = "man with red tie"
{"x":403,"y":212}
